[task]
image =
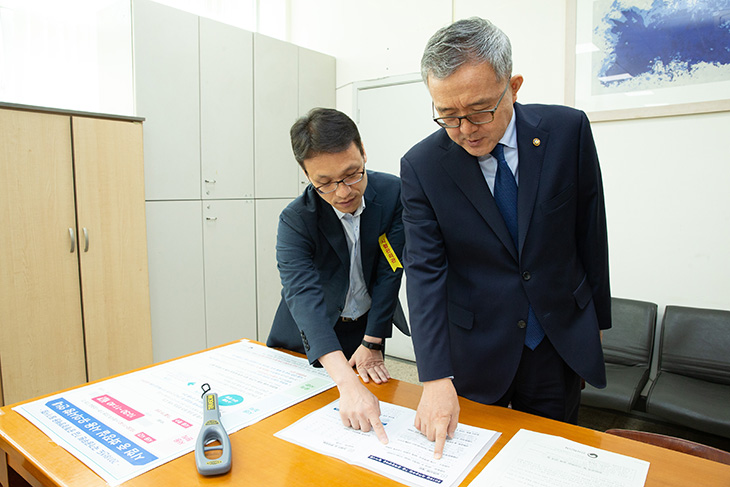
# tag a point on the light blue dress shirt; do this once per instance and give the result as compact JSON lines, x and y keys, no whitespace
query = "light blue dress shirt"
{"x":358,"y":301}
{"x":488,"y":164}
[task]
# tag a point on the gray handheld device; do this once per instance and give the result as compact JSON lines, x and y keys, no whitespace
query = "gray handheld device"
{"x":211,"y":431}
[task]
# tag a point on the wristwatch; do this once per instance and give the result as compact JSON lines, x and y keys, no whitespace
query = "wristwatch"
{"x":372,"y":346}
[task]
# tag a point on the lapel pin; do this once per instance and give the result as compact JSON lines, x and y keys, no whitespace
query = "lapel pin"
{"x":536,"y":142}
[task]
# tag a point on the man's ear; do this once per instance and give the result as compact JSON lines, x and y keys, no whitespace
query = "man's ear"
{"x":515,"y":83}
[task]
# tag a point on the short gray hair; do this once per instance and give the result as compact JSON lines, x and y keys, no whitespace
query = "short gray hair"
{"x":473,"y":40}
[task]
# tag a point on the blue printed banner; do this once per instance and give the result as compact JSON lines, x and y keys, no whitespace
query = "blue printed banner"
{"x":102,"y":434}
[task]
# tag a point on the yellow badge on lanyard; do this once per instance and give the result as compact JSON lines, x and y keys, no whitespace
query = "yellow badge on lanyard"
{"x":389,"y":253}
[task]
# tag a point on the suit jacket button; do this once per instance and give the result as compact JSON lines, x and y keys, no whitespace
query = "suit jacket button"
{"x":526,"y":276}
{"x":521,"y":324}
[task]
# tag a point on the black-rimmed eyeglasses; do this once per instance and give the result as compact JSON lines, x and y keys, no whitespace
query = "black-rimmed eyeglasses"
{"x":332,"y":186}
{"x":477,"y":118}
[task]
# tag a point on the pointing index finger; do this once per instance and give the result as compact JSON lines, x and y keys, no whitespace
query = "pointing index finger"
{"x":438,"y":449}
{"x":380,"y":431}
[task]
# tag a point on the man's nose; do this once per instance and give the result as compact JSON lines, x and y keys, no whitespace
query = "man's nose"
{"x":343,"y":192}
{"x":467,"y":127}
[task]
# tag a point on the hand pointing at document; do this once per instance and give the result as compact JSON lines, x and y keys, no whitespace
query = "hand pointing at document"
{"x":438,"y":413}
{"x":359,"y":408}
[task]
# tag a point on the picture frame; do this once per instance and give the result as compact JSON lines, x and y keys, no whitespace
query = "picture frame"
{"x":618,"y":54}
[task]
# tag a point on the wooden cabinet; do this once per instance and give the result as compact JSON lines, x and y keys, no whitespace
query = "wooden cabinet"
{"x":109,"y":173}
{"x":74,"y":301}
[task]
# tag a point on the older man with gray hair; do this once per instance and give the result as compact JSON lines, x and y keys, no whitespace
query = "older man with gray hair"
{"x":506,"y":241}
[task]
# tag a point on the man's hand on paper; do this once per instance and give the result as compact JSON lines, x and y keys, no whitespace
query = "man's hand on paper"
{"x":359,"y":408}
{"x":438,"y":413}
{"x":369,"y":363}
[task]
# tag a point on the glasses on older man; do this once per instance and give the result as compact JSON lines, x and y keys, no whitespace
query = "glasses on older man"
{"x":477,"y":118}
{"x":332,"y":186}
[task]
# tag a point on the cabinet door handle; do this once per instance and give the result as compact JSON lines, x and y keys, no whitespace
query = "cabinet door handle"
{"x":211,"y":218}
{"x":210,"y":181}
{"x":73,"y":239}
{"x":86,"y":240}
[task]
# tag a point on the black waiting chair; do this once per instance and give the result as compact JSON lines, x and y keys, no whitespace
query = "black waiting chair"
{"x":692,"y":387}
{"x":627,"y":348}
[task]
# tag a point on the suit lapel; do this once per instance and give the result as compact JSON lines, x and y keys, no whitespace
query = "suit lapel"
{"x":464,"y":169}
{"x":531,"y":144}
{"x":369,"y":225}
{"x":331,"y":228}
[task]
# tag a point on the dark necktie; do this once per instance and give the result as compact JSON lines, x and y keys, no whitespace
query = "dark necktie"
{"x":505,"y":195}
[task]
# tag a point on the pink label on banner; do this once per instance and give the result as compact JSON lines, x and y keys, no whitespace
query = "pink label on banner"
{"x":182,"y":422}
{"x":119,"y":408}
{"x":144,"y":437}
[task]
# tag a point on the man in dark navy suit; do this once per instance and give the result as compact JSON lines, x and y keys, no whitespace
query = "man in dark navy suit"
{"x":506,"y":242}
{"x":338,"y":250}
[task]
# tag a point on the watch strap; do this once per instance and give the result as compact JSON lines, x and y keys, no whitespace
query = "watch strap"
{"x":372,"y":346}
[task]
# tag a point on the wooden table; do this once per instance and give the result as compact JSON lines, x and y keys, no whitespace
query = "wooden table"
{"x":260,"y":459}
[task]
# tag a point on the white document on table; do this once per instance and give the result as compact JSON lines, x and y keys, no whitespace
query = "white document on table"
{"x":127,"y":425}
{"x":533,"y":459}
{"x":408,"y":456}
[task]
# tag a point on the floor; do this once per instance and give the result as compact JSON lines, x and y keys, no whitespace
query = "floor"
{"x":593,"y":418}
{"x":400,"y":369}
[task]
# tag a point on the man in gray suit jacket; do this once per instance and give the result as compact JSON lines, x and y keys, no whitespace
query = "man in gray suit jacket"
{"x":506,"y":241}
{"x":338,"y":250}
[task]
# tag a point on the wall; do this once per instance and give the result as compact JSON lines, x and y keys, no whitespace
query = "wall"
{"x":668,"y":208}
{"x":665,"y":178}
{"x":669,"y":228}
{"x":74,"y":55}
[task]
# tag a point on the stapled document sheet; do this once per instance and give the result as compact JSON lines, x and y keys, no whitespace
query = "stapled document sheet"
{"x":533,"y":459}
{"x":408,"y":456}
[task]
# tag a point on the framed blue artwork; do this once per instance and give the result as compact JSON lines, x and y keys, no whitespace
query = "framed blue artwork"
{"x":646,"y":58}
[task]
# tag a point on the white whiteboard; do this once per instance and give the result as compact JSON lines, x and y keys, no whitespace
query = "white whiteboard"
{"x":393,"y":114}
